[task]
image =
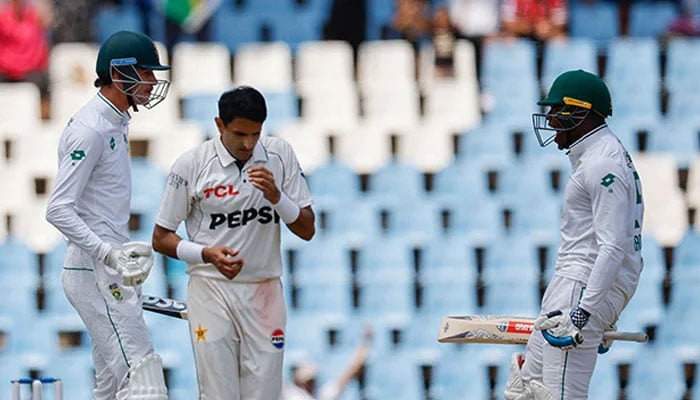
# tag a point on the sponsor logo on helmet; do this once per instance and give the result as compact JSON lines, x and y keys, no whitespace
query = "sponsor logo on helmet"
{"x":570,"y":101}
{"x":277,"y":338}
{"x":263,"y":215}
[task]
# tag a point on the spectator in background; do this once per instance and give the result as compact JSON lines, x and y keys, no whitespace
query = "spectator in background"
{"x":305,"y":376}
{"x":540,"y":20}
{"x":444,"y":36}
{"x":72,"y":21}
{"x":412,"y":21}
{"x":474,"y":20}
{"x":347,"y":21}
{"x":24,"y":48}
{"x":688,"y":21}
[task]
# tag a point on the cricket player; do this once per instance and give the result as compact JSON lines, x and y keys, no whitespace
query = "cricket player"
{"x":233,"y":192}
{"x":90,"y":206}
{"x":599,"y":259}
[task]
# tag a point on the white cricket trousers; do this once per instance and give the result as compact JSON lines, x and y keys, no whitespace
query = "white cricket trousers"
{"x":237,"y":332}
{"x":113,"y":317}
{"x":568,"y":373}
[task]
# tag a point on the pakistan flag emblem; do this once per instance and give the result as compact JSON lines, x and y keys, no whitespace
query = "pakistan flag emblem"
{"x":608,"y":180}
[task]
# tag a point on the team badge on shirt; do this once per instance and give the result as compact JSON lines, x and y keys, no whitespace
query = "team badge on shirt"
{"x":277,"y":338}
{"x":116,"y":293}
{"x":77,"y":155}
{"x":201,"y":333}
{"x":608,"y":180}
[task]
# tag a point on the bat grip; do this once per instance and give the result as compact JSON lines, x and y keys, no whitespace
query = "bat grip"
{"x":638,"y":337}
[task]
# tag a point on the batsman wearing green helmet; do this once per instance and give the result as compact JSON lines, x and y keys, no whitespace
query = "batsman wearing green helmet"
{"x":90,"y":206}
{"x":599,"y":260}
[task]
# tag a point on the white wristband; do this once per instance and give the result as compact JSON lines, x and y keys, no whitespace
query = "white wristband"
{"x":189,"y":252}
{"x":288,"y":211}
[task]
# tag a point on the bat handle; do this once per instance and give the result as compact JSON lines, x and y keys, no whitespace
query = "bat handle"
{"x":638,"y":337}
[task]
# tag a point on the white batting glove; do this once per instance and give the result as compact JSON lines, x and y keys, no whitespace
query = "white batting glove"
{"x":563,"y":331}
{"x":136,"y":263}
{"x":112,"y":258}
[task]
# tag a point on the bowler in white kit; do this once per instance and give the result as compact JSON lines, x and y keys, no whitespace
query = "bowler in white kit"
{"x":599,"y":260}
{"x":233,"y":192}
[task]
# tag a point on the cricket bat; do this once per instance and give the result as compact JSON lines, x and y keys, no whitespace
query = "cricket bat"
{"x":504,"y":330}
{"x":165,"y":306}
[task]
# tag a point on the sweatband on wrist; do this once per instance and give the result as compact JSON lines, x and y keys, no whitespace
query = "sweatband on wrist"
{"x":288,"y":211}
{"x":189,"y":252}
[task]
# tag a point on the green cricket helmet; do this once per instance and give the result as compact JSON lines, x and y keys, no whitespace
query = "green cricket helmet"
{"x":125,"y":51}
{"x":578,"y":93}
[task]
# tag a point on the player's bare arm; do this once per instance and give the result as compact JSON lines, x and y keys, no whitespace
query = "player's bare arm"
{"x":263,"y":179}
{"x":223,"y":258}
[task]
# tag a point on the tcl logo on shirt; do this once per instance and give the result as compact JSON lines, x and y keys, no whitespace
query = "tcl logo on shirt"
{"x":220,"y":191}
{"x":263,"y":215}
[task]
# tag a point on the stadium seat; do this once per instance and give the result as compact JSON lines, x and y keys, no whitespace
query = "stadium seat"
{"x":191,"y":76}
{"x":323,"y":65}
{"x":201,"y":110}
{"x":594,"y":20}
{"x":462,"y":180}
{"x":564,"y":55}
{"x":454,"y":104}
{"x":147,"y":123}
{"x":682,"y":63}
{"x":265,"y":66}
{"x":448,"y":291}
{"x":385,"y":64}
{"x":394,"y":376}
{"x":181,"y":136}
{"x":336,"y":109}
{"x":457,"y":373}
{"x":66,"y":102}
{"x":693,"y":193}
{"x":334,"y":181}
{"x":651,"y":19}
{"x":111,"y":19}
{"x":32,"y":228}
{"x":396,"y":182}
{"x":365,"y":148}
{"x":665,"y":207}
{"x":464,"y":66}
{"x":379,"y":15}
{"x":294,"y":28}
{"x":70,"y":64}
{"x":357,"y":221}
{"x":428,"y":146}
{"x":634,"y":60}
{"x":234,"y":28}
{"x":510,"y":83}
{"x":604,"y":383}
{"x":416,"y":221}
{"x":656,"y":374}
{"x":309,"y":141}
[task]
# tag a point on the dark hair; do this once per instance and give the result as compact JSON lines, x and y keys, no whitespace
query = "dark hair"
{"x":242,"y":102}
{"x":103,"y":79}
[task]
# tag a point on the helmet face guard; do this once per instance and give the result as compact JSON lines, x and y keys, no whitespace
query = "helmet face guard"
{"x":130,"y":80}
{"x":566,"y":119}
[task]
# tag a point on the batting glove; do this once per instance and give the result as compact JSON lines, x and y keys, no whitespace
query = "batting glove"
{"x":136,"y":263}
{"x":112,"y":258}
{"x":563,"y":331}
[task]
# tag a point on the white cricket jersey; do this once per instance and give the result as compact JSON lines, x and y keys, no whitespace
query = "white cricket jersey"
{"x":602,"y":217}
{"x":90,"y":203}
{"x":220,"y":206}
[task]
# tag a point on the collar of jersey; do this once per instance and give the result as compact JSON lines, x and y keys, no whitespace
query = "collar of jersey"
{"x":110,"y":111}
{"x":259,"y":153}
{"x":586,"y":141}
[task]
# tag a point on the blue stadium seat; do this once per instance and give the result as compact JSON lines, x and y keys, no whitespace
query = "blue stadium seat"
{"x":458,"y":374}
{"x":511,"y":290}
{"x":634,"y":61}
{"x":76,"y":370}
{"x":295,"y":28}
{"x":520,"y":68}
{"x":148,"y":182}
{"x":396,"y":182}
{"x":385,"y":292}
{"x":687,"y":256}
{"x":111,"y":19}
{"x":449,"y":291}
{"x":561,"y":56}
{"x":651,"y":18}
{"x":463,"y":180}
{"x":656,"y":374}
{"x":596,"y":20}
{"x":282,"y":109}
{"x":334,"y":182}
{"x":201,"y":109}
{"x":485,"y":142}
{"x":235,"y":27}
{"x":386,"y":253}
{"x":682,"y":64}
{"x":604,"y":382}
{"x":379,"y":14}
{"x":447,"y":253}
{"x":356,"y":221}
{"x":416,"y":221}
{"x":394,"y":376}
